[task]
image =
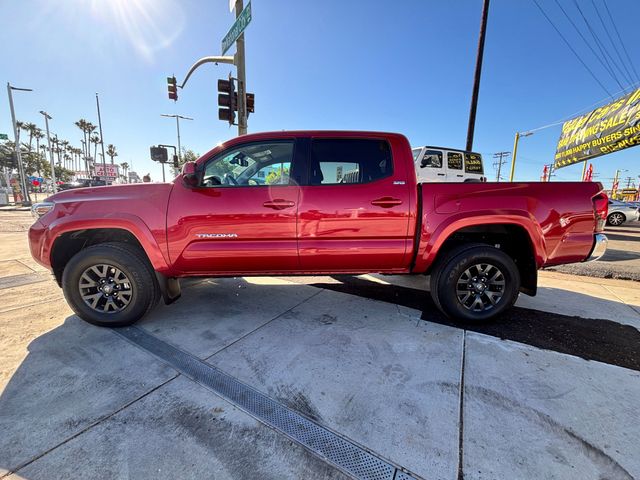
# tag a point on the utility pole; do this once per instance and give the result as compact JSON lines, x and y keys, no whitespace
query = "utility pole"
{"x":629,"y":180}
{"x":476,"y":77}
{"x":551,"y":174}
{"x":47,"y":117}
{"x":177,"y":117}
{"x":104,"y":163}
{"x":498,"y":164}
{"x":242,"y":79}
{"x":614,"y":186}
{"x":23,"y":181}
{"x":515,"y":152}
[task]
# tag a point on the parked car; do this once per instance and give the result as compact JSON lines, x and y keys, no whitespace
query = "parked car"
{"x":438,"y":164}
{"x":337,"y":203}
{"x":620,"y":212}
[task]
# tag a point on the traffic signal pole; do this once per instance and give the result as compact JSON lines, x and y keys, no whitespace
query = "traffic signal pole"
{"x":242,"y":79}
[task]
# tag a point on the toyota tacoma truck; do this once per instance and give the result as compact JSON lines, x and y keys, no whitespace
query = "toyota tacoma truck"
{"x":312,"y":203}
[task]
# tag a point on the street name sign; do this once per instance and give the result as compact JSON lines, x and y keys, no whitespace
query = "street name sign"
{"x":4,"y":136}
{"x":238,"y":27}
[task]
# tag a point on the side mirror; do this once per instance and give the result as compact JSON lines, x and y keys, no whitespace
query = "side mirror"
{"x":189,"y":175}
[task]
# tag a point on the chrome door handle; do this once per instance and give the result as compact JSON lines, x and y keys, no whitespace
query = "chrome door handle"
{"x":386,"y":202}
{"x":441,"y":174}
{"x":279,"y":204}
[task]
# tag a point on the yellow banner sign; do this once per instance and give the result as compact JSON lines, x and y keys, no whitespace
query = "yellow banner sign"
{"x":607,"y":129}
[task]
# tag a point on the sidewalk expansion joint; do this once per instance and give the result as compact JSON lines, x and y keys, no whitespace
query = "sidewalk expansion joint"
{"x":461,"y":409}
{"x":263,"y":325}
{"x":355,"y":460}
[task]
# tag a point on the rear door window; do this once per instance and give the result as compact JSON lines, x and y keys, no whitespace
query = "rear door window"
{"x":432,"y":159}
{"x":343,"y":161}
{"x":473,"y":163}
{"x":454,"y":160}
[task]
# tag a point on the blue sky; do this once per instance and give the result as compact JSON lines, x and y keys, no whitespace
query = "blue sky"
{"x":402,"y":66}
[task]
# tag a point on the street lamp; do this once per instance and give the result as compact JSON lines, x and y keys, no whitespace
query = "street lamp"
{"x":16,"y":136}
{"x":48,"y":117}
{"x":177,"y":117}
{"x":515,"y":151}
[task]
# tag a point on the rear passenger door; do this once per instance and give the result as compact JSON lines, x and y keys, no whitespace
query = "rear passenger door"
{"x":455,"y":162}
{"x":354,"y":207}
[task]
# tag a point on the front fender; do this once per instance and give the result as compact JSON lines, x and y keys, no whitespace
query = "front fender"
{"x":436,"y":231}
{"x":124,"y":221}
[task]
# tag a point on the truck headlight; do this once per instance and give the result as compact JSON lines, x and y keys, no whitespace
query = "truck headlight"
{"x":40,"y":209}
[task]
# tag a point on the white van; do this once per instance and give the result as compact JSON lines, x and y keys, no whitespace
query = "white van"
{"x":439,"y":164}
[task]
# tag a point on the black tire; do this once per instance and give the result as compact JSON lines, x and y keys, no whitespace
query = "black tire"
{"x":616,"y":219}
{"x":452,"y":269}
{"x":142,"y":288}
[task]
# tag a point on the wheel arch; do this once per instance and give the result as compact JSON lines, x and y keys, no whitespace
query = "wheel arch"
{"x":71,"y":237}
{"x":514,"y":238}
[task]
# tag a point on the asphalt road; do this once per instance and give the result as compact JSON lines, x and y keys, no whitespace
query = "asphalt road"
{"x":622,"y":260}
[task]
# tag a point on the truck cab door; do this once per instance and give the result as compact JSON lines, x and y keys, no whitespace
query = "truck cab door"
{"x":355,"y":207}
{"x":241,"y":218}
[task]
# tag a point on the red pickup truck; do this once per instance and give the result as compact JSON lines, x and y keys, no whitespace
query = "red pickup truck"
{"x":312,"y":202}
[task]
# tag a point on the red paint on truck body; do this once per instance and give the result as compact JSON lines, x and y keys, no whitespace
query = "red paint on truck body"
{"x":340,"y":228}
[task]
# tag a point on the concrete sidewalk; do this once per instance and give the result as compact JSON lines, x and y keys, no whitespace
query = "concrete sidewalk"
{"x":549,"y":392}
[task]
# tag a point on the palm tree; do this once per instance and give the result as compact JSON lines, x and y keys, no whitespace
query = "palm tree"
{"x":111,"y":151}
{"x":65,"y":147}
{"x":125,"y":167}
{"x":95,"y":139}
{"x":86,"y":128}
{"x":37,"y":134}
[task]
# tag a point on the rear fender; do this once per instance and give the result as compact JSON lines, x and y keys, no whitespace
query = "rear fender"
{"x":432,"y":241}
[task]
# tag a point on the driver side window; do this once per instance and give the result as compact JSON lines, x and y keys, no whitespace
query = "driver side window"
{"x":250,"y":165}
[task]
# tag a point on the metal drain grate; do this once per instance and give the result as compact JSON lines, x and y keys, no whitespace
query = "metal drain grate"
{"x":344,"y":454}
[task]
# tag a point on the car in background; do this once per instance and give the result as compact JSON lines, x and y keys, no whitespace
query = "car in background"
{"x":81,"y":183}
{"x":620,"y":212}
{"x":441,"y":164}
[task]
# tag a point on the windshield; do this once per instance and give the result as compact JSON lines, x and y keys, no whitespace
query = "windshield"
{"x":416,"y":153}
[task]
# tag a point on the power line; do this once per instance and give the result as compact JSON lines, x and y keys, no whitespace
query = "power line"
{"x":606,"y":30}
{"x":571,"y":48}
{"x":568,"y":117}
{"x":596,"y":40}
{"x":588,"y":44}
{"x":624,"y":48}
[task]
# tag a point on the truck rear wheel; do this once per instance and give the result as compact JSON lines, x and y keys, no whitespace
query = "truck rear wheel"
{"x":477,"y":283}
{"x":110,"y":284}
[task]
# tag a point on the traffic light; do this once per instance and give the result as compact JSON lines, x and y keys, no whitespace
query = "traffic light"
{"x":172,"y":88}
{"x":227,"y":100}
{"x":250,"y":103}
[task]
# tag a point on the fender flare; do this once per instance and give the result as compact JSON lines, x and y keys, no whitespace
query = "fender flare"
{"x":443,"y":231}
{"x":123,"y":221}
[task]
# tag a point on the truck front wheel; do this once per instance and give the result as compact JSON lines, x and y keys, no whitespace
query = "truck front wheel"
{"x":110,"y":284}
{"x":476,"y":283}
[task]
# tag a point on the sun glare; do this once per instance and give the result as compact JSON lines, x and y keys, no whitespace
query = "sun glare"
{"x":149,"y":25}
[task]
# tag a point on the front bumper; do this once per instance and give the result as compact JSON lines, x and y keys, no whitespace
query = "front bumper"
{"x":599,"y":247}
